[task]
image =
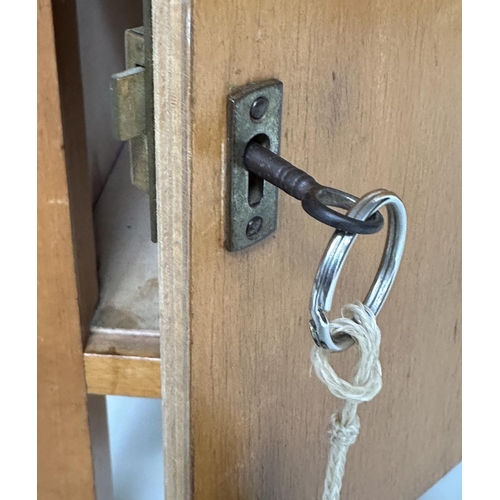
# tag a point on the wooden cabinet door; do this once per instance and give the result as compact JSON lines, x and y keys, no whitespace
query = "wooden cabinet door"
{"x":371,"y":99}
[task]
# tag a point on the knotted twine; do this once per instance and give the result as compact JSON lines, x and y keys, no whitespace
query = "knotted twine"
{"x":359,"y":322}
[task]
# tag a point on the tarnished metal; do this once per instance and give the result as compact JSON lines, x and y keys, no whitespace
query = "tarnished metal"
{"x":128,"y":107}
{"x":134,"y":47}
{"x":138,"y":146}
{"x":316,"y":199}
{"x":254,"y":113}
{"x":127,"y":104}
{"x":132,"y":112}
{"x":335,"y":255}
{"x":150,"y":125}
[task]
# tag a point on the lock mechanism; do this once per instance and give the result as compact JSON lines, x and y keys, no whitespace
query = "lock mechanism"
{"x":256,"y":171}
{"x":128,"y":104}
{"x":132,"y":110}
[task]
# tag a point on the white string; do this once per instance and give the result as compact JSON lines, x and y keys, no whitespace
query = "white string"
{"x":359,"y":322}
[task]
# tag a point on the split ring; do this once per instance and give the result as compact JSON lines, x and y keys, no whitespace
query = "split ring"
{"x":333,"y":260}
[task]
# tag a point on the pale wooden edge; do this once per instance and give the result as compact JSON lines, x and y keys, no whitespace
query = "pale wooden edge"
{"x":108,"y":374}
{"x":123,"y":364}
{"x":171,"y":32}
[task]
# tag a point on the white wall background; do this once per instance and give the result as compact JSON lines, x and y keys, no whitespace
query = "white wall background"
{"x":137,"y":461}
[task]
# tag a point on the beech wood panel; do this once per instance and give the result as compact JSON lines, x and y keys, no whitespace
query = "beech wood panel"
{"x":371,"y":99}
{"x":65,"y":465}
{"x":123,"y":375}
{"x":75,"y":153}
{"x":171,"y":33}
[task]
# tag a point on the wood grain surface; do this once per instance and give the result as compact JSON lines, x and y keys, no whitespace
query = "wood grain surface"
{"x":171,"y":33}
{"x":123,"y":375}
{"x":125,"y":364}
{"x":372,"y":99}
{"x":65,"y":468}
{"x":75,"y":153}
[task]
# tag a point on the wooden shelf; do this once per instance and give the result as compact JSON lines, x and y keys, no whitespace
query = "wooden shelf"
{"x":122,"y":355}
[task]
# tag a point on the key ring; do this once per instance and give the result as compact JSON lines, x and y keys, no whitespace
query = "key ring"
{"x":335,"y":255}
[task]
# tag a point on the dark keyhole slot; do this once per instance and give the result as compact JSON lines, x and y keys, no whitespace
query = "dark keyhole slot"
{"x":255,"y":189}
{"x":256,"y":183}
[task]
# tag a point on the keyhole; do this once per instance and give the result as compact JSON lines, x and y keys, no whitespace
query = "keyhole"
{"x":256,"y":183}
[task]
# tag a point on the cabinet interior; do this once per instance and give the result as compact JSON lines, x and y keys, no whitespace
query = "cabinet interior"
{"x":126,"y":320}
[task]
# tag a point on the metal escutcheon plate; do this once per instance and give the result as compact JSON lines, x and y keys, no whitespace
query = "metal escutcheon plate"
{"x":254,"y":113}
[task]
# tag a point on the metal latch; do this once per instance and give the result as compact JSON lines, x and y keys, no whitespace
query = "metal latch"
{"x":128,"y":107}
{"x":132,"y":115}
